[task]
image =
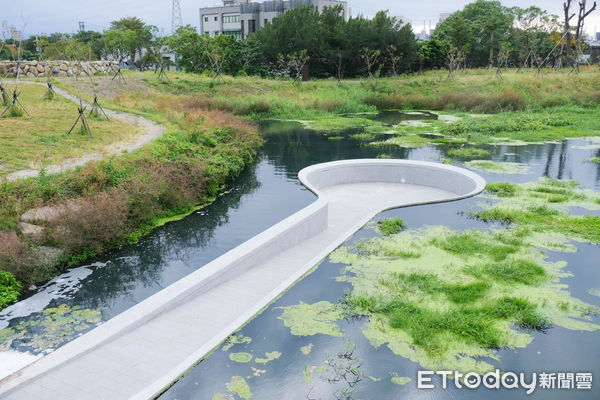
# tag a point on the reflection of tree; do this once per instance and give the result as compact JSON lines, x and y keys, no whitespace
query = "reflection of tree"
{"x":550,"y":157}
{"x":598,"y":167}
{"x":135,"y":268}
{"x":291,"y":147}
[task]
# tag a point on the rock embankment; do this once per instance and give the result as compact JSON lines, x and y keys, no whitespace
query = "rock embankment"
{"x":56,"y":68}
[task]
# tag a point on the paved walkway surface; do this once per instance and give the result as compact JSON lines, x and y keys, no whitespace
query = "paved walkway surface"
{"x":149,"y":131}
{"x":128,"y":365}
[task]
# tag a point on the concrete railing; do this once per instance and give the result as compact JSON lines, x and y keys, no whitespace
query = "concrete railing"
{"x":456,"y":180}
{"x":293,"y":230}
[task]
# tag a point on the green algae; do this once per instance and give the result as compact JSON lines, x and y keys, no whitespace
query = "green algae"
{"x":399,"y":380}
{"x":595,"y":160}
{"x":304,"y":349}
{"x":543,"y":206}
{"x":594,"y":292}
{"x":408,"y":141}
{"x":241,"y":357}
{"x":458,"y":302}
{"x":498,"y":167}
{"x":311,"y":319}
{"x":54,"y":326}
{"x":238,"y":385}
{"x":236,"y":339}
{"x":468,"y":153}
{"x":270,"y":356}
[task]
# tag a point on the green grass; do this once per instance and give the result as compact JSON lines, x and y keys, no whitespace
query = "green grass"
{"x":43,"y":136}
{"x":502,"y":189}
{"x":516,"y":271}
{"x":9,"y":289}
{"x":390,"y":226}
{"x":472,"y":242}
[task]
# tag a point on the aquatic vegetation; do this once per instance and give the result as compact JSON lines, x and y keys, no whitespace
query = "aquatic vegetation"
{"x":594,"y":292}
{"x":306,"y":349}
{"x":407,"y":141}
{"x":502,"y":189}
{"x":467,"y":295}
{"x":241,"y":357}
{"x":239,"y":386}
{"x":468,"y":153}
{"x":236,"y":339}
{"x":54,"y":326}
{"x":337,"y":124}
{"x":390,"y":226}
{"x":498,"y":167}
{"x":9,"y":289}
{"x":399,"y":380}
{"x":273,"y":355}
{"x":595,"y":160}
{"x":542,"y":206}
{"x":311,"y":319}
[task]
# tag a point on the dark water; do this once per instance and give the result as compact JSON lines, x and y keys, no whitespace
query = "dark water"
{"x":264,"y":195}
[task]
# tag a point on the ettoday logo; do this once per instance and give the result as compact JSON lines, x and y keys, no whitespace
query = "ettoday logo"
{"x":507,"y":380}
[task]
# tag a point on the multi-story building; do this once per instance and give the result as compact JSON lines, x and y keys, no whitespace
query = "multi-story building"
{"x":239,"y":18}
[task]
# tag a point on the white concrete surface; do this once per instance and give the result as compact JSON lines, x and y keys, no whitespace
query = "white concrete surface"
{"x":141,"y":351}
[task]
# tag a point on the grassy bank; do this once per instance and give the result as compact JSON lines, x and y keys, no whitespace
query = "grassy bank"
{"x":43,"y":135}
{"x":106,"y":204}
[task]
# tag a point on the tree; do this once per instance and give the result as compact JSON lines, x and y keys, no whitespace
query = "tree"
{"x":293,"y":63}
{"x":190,"y":48}
{"x":119,"y":43}
{"x":371,"y":58}
{"x":69,"y":49}
{"x":139,"y":35}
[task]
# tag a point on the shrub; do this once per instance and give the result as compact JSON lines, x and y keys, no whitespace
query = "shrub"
{"x":390,"y":226}
{"x":9,"y":289}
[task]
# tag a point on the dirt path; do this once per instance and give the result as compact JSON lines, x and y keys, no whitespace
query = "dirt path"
{"x":149,"y":131}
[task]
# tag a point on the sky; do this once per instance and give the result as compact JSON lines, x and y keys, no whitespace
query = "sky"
{"x":47,"y":16}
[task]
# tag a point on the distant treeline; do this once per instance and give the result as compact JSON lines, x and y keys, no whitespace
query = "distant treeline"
{"x":485,"y":33}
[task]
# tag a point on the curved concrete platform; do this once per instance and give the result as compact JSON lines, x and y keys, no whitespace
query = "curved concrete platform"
{"x":142,"y":351}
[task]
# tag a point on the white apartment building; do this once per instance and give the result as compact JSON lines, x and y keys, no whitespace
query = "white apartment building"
{"x":239,"y":18}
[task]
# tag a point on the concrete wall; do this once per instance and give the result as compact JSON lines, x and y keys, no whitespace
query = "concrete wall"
{"x":56,"y":68}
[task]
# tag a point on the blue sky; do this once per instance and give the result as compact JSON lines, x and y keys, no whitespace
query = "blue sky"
{"x":46,"y":16}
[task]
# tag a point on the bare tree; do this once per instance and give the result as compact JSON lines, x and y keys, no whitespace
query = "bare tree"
{"x":371,"y":58}
{"x":293,"y":64}
{"x":454,"y":60}
{"x":395,"y":58}
{"x":583,"y":13}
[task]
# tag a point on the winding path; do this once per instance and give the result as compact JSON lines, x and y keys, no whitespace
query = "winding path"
{"x":150,"y":131}
{"x":143,"y":350}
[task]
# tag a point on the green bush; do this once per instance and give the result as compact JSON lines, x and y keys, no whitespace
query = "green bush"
{"x":9,"y":289}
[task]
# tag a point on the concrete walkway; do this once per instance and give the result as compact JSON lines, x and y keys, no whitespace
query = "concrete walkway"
{"x":149,"y":131}
{"x":141,"y":351}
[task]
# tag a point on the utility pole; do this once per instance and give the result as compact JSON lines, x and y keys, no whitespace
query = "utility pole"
{"x":81,"y":26}
{"x":176,"y":20}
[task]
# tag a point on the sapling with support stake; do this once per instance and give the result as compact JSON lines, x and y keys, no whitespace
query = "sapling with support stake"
{"x":81,"y":117}
{"x":49,"y":95}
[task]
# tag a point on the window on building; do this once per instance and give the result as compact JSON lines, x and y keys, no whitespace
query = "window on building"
{"x":216,"y":18}
{"x":228,"y":19}
{"x":205,"y":19}
{"x":243,"y":29}
{"x":216,"y":33}
{"x":235,"y":34}
{"x":251,"y":25}
{"x":266,"y":21}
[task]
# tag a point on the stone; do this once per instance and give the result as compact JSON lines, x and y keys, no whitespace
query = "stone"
{"x":55,"y":70}
{"x":64,"y":67}
{"x":35,"y":233}
{"x":41,"y":214}
{"x":40,"y":68}
{"x":30,"y":75}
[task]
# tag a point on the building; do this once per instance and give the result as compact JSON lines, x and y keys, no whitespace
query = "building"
{"x":239,"y":18}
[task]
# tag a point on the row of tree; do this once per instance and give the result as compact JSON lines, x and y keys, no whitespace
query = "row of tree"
{"x":484,"y":33}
